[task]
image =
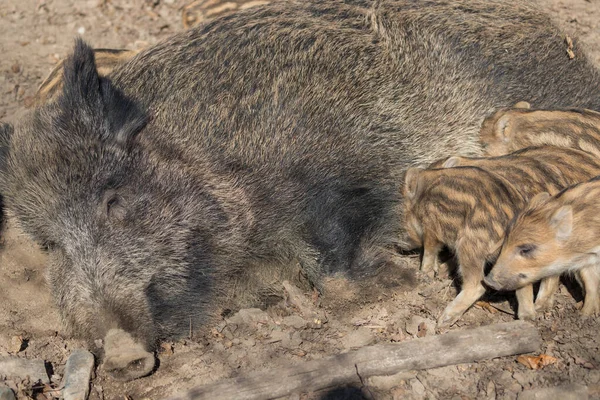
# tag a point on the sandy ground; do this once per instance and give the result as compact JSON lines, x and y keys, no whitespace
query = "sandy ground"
{"x":35,"y":34}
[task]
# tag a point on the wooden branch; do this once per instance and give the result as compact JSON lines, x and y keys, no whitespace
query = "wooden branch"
{"x":382,"y":359}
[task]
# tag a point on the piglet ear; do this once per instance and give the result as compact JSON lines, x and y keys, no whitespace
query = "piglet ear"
{"x":539,"y":199}
{"x":522,"y":105}
{"x":413,"y":182}
{"x":90,"y":105}
{"x":562,"y":222}
{"x":451,"y":162}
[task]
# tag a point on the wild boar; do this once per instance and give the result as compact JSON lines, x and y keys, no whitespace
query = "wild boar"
{"x":200,"y":172}
{"x":552,"y":236}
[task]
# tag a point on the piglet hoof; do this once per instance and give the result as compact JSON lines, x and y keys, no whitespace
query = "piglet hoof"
{"x":590,"y":309}
{"x":526,"y":315}
{"x":446,"y":320}
{"x":125,"y":359}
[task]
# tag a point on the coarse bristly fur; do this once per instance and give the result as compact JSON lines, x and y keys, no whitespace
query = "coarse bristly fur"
{"x":269,"y":137}
{"x":529,"y":171}
{"x":554,"y":235}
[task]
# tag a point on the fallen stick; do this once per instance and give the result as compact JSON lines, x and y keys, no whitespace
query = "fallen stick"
{"x":456,"y":347}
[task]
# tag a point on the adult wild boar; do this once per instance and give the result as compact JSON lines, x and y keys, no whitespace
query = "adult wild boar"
{"x":204,"y":167}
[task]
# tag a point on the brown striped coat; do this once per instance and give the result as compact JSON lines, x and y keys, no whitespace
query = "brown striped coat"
{"x":466,"y":209}
{"x":554,"y":235}
{"x":512,"y":129}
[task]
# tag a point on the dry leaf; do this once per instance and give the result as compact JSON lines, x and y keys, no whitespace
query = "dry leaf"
{"x":166,"y":348}
{"x":422,"y":330}
{"x":536,"y":362}
{"x":570,"y":52}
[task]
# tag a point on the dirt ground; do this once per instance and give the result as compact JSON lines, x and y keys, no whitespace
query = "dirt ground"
{"x":35,"y":34}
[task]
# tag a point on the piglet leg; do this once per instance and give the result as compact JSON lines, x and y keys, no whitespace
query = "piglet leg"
{"x":526,"y":308}
{"x":590,"y":277}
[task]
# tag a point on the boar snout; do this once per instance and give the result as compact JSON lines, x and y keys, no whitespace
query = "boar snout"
{"x":125,"y":359}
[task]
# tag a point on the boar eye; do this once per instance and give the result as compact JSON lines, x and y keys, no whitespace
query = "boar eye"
{"x":526,"y":250}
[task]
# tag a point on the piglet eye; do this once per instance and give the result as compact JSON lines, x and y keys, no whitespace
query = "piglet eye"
{"x":526,"y":250}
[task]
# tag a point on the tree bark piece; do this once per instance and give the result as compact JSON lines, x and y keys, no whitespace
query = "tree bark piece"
{"x":456,"y":347}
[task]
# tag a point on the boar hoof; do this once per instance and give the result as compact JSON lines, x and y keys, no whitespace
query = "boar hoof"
{"x":124,"y":358}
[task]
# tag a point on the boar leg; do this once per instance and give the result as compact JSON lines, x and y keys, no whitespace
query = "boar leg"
{"x":590,"y":278}
{"x":431,"y":251}
{"x":526,"y":309}
{"x":471,"y":269}
{"x":547,"y":288}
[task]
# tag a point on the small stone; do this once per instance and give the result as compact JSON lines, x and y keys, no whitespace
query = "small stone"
{"x":15,"y":68}
{"x":278,"y":336}
{"x":515,"y":387}
{"x":565,"y":392}
{"x":16,"y":344}
{"x":523,"y":378}
{"x":295,"y":321}
{"x":78,"y":373}
{"x":417,"y":387}
{"x":249,"y":316}
{"x":390,"y":381}
{"x":6,"y":394}
{"x":358,"y":338}
{"x":594,"y":376}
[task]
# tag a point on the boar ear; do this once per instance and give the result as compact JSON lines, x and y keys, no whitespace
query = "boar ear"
{"x":539,"y":199}
{"x":451,"y":162}
{"x":495,"y":250}
{"x":413,"y":182}
{"x":94,"y":104}
{"x":562,"y":222}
